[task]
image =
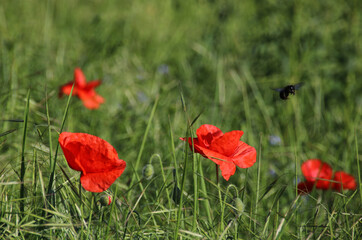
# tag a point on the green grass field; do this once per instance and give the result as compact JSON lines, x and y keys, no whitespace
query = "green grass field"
{"x":162,"y":64}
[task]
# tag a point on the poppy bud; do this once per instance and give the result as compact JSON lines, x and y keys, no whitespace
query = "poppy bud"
{"x":105,"y":200}
{"x":238,"y":205}
{"x":148,"y":171}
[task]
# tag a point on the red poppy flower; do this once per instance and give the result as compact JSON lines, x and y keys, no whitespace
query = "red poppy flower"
{"x":314,"y":170}
{"x":316,"y":173}
{"x":226,"y":150}
{"x":94,"y":157}
{"x":343,"y":181}
{"x":83,"y":90}
{"x":320,"y":174}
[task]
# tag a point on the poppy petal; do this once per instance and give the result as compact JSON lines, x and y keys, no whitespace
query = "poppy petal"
{"x":244,"y":156}
{"x":344,"y":181}
{"x":66,"y":89}
{"x":93,"y":84}
{"x":196,"y":144}
{"x":305,"y":187}
{"x":214,"y":156}
{"x":79,"y":78}
{"x":207,"y":134}
{"x":99,"y":182}
{"x":227,"y":143}
{"x":85,"y":94}
{"x":90,"y":98}
{"x":227,"y":170}
{"x":314,"y":170}
{"x":94,"y":157}
{"x":90,"y":103}
{"x":207,"y":153}
{"x":99,"y":98}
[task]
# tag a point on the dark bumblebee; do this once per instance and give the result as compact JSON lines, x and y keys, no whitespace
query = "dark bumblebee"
{"x":285,"y":91}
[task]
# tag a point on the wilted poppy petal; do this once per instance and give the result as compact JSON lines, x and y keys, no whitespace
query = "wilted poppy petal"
{"x":305,"y":187}
{"x":244,"y":156}
{"x":207,"y":133}
{"x":227,"y":143}
{"x":344,"y":181}
{"x":227,"y":170}
{"x":314,"y":170}
{"x":79,"y":78}
{"x":94,"y":157}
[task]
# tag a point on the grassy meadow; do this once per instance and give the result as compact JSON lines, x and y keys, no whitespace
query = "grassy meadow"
{"x":167,"y":67}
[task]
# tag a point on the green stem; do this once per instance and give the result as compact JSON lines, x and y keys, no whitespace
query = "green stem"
{"x":217,"y":174}
{"x":196,"y":193}
{"x":182,"y":188}
{"x":358,"y":167}
{"x":220,"y":199}
{"x":53,"y":164}
{"x":22,"y":170}
{"x":203,"y":188}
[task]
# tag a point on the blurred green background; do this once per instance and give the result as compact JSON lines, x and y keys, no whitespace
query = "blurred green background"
{"x":223,"y":56}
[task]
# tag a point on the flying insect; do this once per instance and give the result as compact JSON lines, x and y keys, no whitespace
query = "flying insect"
{"x":285,"y":91}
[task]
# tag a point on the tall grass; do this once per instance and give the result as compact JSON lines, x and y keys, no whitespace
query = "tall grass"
{"x":163,"y":63}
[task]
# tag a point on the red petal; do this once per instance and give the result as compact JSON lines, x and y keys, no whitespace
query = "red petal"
{"x":99,"y":98}
{"x":79,"y":78}
{"x":90,"y":99}
{"x":214,"y":156}
{"x":93,"y":84}
{"x":305,"y":187}
{"x":84,"y":94}
{"x":196,"y":144}
{"x":99,"y":182}
{"x":207,"y":153}
{"x":94,"y":157}
{"x":90,"y":103}
{"x":66,"y":89}
{"x":227,"y":170}
{"x":207,"y":134}
{"x":244,"y":156}
{"x":227,"y":143}
{"x":344,"y":180}
{"x":315,"y":169}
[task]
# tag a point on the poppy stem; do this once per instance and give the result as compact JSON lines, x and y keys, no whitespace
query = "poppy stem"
{"x":221,"y":226}
{"x":80,"y":192}
{"x":217,"y":174}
